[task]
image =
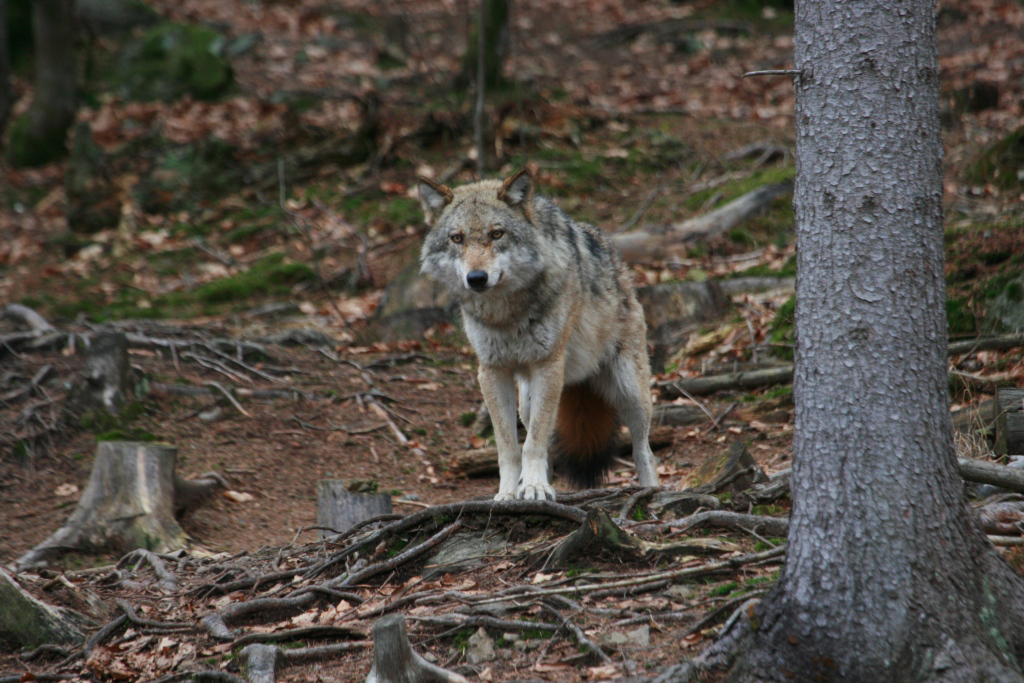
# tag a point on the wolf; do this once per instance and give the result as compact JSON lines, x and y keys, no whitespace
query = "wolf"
{"x":547,"y":306}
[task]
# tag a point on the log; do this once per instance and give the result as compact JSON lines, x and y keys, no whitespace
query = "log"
{"x":128,"y":503}
{"x":646,"y":244}
{"x":483,"y":462}
{"x":981,"y":472}
{"x":1009,"y":411}
{"x":29,"y":622}
{"x":339,"y":509}
{"x":699,"y":386}
{"x":394,"y":660}
{"x":105,"y":385}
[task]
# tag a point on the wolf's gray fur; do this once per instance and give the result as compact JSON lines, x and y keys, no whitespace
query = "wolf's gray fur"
{"x":546,"y":305}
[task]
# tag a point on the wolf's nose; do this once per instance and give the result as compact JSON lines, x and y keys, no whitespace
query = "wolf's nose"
{"x":477,"y":279}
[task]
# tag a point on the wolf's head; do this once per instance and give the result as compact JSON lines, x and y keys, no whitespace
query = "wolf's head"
{"x":482,"y":235}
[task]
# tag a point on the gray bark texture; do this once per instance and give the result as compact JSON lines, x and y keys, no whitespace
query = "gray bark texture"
{"x":887,"y":578}
{"x":6,"y":91}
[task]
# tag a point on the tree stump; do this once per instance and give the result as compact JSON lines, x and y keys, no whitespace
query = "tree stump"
{"x":395,"y":662}
{"x":29,"y":622}
{"x":105,"y":385}
{"x":128,"y":503}
{"x":1009,"y":410}
{"x":340,"y":509}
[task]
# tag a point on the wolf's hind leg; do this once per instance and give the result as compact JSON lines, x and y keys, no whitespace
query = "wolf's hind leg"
{"x":499,"y":389}
{"x":625,"y":385}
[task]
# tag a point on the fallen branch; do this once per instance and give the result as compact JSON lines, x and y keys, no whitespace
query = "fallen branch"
{"x":641,"y":244}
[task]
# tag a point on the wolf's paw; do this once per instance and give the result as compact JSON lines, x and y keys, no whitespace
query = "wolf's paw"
{"x":539,"y":490}
{"x":505,"y":495}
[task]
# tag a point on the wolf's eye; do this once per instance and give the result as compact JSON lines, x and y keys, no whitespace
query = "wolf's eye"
{"x":457,"y":238}
{"x":497,"y":234}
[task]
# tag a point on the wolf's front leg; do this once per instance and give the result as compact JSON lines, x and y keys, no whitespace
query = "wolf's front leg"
{"x":545,"y":392}
{"x":499,"y":390}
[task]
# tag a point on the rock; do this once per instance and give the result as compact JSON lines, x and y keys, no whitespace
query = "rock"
{"x":1006,"y":309}
{"x":638,"y":637}
{"x":412,"y":304}
{"x":480,"y":648}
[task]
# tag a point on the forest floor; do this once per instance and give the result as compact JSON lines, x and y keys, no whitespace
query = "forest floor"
{"x":628,"y":112}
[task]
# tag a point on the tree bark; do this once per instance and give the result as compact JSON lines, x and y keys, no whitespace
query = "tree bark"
{"x":39,"y":137}
{"x":129,"y":503}
{"x":394,"y":660}
{"x":887,"y":578}
{"x":6,"y":91}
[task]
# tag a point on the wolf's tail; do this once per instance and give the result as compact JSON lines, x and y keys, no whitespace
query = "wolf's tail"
{"x":585,"y":444}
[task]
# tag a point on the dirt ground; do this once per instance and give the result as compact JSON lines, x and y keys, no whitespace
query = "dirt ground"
{"x":281,"y":451}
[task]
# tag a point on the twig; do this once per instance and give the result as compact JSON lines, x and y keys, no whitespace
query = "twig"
{"x":644,"y":206}
{"x":581,"y":637}
{"x":635,"y":499}
{"x":774,"y":72}
{"x":231,"y":399}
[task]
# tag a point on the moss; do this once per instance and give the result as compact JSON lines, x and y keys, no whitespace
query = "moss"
{"x":173,"y":59}
{"x":959,"y":318}
{"x":782,"y":330}
{"x":1002,"y":164}
{"x":722,"y":590}
{"x":467,"y":419}
{"x":27,"y":148}
{"x":268,"y":276}
{"x":729,"y":191}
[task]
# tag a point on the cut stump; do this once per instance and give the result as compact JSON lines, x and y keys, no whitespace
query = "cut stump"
{"x":339,"y":509}
{"x":394,"y":660}
{"x":129,"y":503}
{"x":1009,"y":411}
{"x":106,"y":382}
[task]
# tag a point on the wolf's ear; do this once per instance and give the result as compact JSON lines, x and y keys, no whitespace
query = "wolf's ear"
{"x":433,"y":198}
{"x":517,"y":191}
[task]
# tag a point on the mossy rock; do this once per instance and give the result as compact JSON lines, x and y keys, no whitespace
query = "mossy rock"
{"x":1002,"y":164}
{"x":26,"y":148}
{"x":171,"y":60}
{"x":1006,"y":308}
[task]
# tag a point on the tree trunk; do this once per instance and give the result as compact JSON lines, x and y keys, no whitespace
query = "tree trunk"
{"x":6,"y":91}
{"x":887,"y":578}
{"x":38,"y":136}
{"x":129,"y":503}
{"x":496,"y":45}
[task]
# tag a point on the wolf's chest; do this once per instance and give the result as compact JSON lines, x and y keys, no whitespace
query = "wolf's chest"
{"x":513,"y":346}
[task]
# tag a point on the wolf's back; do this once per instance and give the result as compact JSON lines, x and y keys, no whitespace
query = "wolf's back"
{"x":585,"y":445}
